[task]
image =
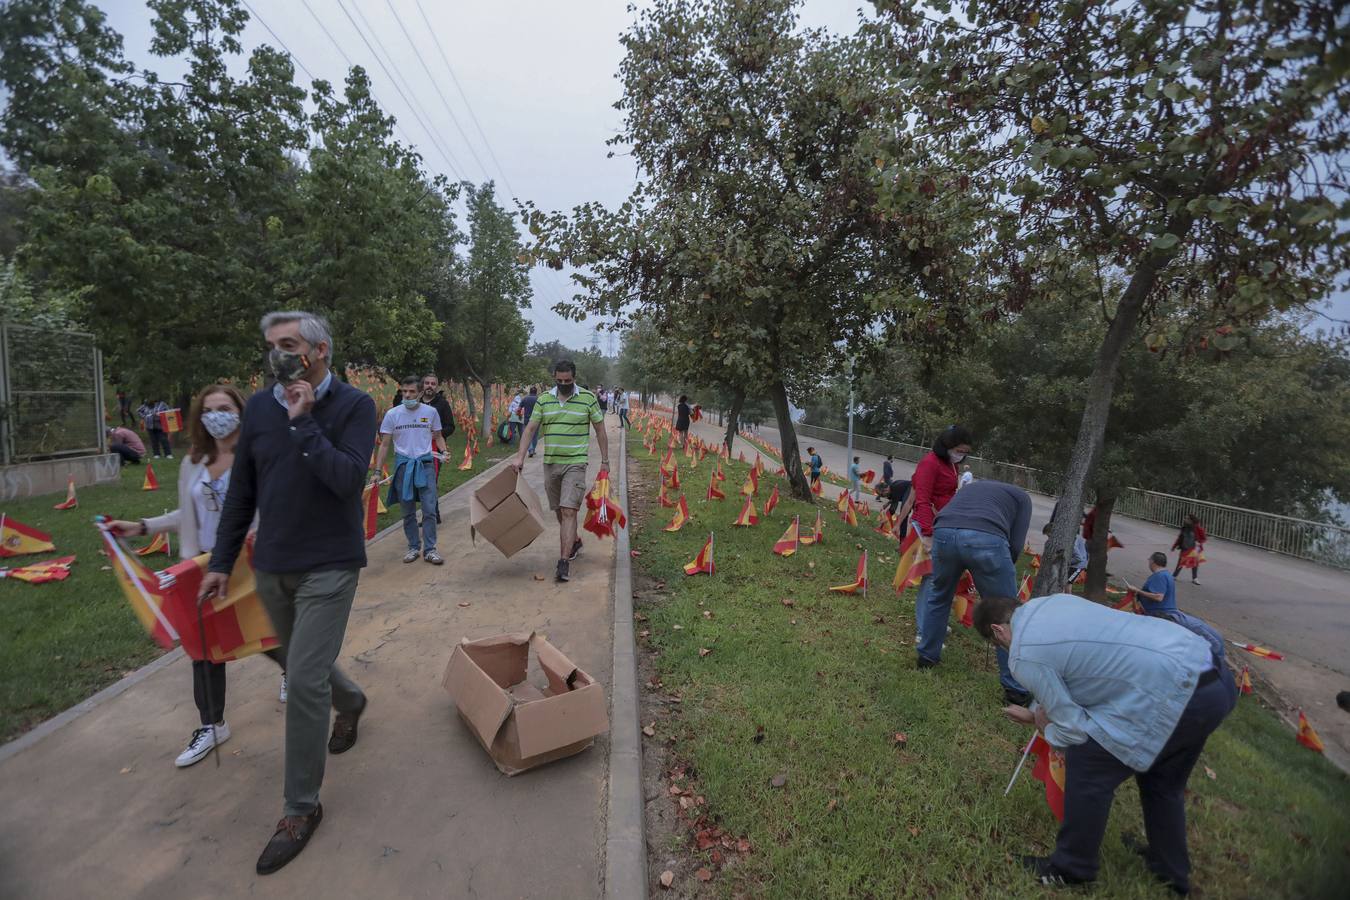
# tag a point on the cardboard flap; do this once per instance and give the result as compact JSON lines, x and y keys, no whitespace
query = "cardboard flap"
{"x":500,"y":483}
{"x":558,"y":721}
{"x":483,"y":704}
{"x":559,"y":670}
{"x":504,"y":658}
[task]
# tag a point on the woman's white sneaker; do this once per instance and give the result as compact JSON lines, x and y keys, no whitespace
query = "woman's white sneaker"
{"x":202,"y":742}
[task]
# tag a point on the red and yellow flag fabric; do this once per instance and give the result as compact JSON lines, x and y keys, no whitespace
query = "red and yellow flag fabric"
{"x":1035,"y":562}
{"x":41,"y":572}
{"x":772,"y":501}
{"x":1112,"y":543}
{"x":740,"y":456}
{"x":151,"y":483}
{"x":171,"y":420}
{"x":1259,"y":651}
{"x":673,"y":477}
{"x":1193,"y":558}
{"x":851,"y":515}
{"x":714,"y":492}
{"x":843,"y":502}
{"x":1049,"y":771}
{"x":370,"y":499}
{"x":859,"y":582}
{"x":665,"y":498}
{"x":160,"y":544}
{"x":914,"y":563}
{"x":747,"y":515}
{"x":817,"y":488}
{"x":868,"y":476}
{"x":703,"y":563}
{"x":1306,"y":736}
{"x":787,"y":544}
{"x":1128,"y":603}
{"x":1245,"y":681}
{"x":963,"y":601}
{"x":18,"y":539}
{"x":603,"y":515}
{"x":1024,"y":592}
{"x":681,"y":515}
{"x":751,"y":485}
{"x":817,"y":535}
{"x":885,"y":523}
{"x":71,"y":500}
{"x":467,"y":462}
{"x":718,"y":473}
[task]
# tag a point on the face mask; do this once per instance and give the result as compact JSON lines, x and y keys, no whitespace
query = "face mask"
{"x":288,"y":367}
{"x":954,"y":456}
{"x":411,"y":403}
{"x":565,"y":390}
{"x":220,"y":423}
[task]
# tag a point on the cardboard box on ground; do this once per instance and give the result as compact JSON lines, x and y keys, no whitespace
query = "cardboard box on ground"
{"x":522,"y":725}
{"x":506,"y":511}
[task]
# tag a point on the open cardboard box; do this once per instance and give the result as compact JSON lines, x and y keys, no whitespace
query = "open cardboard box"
{"x":506,"y":511}
{"x":519,"y":724}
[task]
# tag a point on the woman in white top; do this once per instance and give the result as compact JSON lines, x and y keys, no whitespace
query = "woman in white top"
{"x":203,"y":480}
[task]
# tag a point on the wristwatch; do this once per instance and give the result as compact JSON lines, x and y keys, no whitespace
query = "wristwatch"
{"x":145,"y":529}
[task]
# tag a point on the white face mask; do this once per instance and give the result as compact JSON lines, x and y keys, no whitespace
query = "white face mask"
{"x":955,"y":457}
{"x":220,"y":423}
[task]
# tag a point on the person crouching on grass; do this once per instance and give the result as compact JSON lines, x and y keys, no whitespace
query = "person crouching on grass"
{"x":1122,"y":695}
{"x":413,"y":428}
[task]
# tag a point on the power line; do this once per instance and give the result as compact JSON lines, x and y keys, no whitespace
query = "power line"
{"x":444,"y":155}
{"x":295,"y":59}
{"x":467,"y":105}
{"x":432,"y":80}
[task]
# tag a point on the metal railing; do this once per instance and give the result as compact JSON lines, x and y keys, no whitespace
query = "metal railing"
{"x":1300,"y":538}
{"x":51,"y":394}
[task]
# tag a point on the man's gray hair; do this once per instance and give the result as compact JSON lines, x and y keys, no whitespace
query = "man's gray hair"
{"x":313,"y":329}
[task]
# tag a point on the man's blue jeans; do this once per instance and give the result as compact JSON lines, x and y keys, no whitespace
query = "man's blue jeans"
{"x":956,"y":550}
{"x":428,"y":500}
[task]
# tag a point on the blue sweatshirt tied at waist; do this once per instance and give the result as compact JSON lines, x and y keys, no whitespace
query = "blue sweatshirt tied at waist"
{"x":410,"y":476}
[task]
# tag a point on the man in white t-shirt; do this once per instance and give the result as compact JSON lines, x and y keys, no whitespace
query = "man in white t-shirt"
{"x":414,"y":428}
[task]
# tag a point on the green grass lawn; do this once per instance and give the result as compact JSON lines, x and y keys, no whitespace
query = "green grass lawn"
{"x":63,"y":641}
{"x":829,"y":680}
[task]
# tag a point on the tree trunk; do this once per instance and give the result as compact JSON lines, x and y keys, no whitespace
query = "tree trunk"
{"x":734,"y":417}
{"x":1097,"y":408}
{"x":1097,"y":549}
{"x":792,"y":458}
{"x":468,"y":398}
{"x":487,"y":410}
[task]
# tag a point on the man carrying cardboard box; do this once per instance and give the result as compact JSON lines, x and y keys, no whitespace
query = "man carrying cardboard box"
{"x":565,"y":416}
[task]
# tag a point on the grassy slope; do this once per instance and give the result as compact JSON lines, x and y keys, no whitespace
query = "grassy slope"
{"x":831,"y":679}
{"x":63,"y":641}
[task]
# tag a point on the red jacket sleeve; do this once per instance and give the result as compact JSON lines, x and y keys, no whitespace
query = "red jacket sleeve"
{"x":924,"y":476}
{"x":1199,"y":534}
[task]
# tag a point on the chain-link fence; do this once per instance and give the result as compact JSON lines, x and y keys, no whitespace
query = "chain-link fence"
{"x":1301,"y":538}
{"x":51,"y":394}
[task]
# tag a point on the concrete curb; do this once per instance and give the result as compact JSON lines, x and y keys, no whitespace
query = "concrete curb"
{"x":62,"y":719}
{"x":625,"y":838}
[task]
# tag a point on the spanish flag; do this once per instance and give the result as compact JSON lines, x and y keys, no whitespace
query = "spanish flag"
{"x":859,"y":582}
{"x":1193,"y":558}
{"x":818,"y":533}
{"x":70,"y":502}
{"x":787,"y":544}
{"x":151,"y":483}
{"x":1259,"y":651}
{"x":235,"y":626}
{"x":740,"y":456}
{"x":772,"y":501}
{"x":681,"y":515}
{"x":18,"y":539}
{"x":171,"y":420}
{"x":1024,"y":592}
{"x":868,"y":476}
{"x":371,"y":500}
{"x":851,"y":515}
{"x":1245,"y":681}
{"x":964,"y":600}
{"x":603,"y":515}
{"x":703,"y":563}
{"x":914,"y":563}
{"x":751,"y":485}
{"x":1306,"y":736}
{"x":844,"y":501}
{"x":1035,"y":562}
{"x":42,"y":572}
{"x":159,"y":545}
{"x":747,"y":515}
{"x":885,"y":524}
{"x":673,"y":477}
{"x":1049,"y":770}
{"x":816,"y":488}
{"x":467,"y":463}
{"x":714,"y":492}
{"x":1112,"y":543}
{"x":718,"y":473}
{"x":1128,"y":603}
{"x":665,"y":498}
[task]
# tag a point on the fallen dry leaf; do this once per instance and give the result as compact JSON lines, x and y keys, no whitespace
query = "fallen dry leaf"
{"x":743,"y":846}
{"x":1210,"y":774}
{"x":667,"y":878}
{"x":678,"y":627}
{"x":704,"y":651}
{"x":830,"y":807}
{"x":463,"y":605}
{"x":899,"y":739}
{"x":717,"y":857}
{"x":792,"y":621}
{"x":686,"y":802}
{"x":703,"y":875}
{"x":125,"y":771}
{"x":779,"y":780}
{"x":538,"y":577}
{"x":676,"y":791}
{"x":707,"y":614}
{"x":649,"y":730}
{"x":788,"y":601}
{"x":914,"y":830}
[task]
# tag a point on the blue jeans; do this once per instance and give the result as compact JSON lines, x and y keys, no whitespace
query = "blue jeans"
{"x":427,"y":497}
{"x":534,"y":441}
{"x":954,"y":551}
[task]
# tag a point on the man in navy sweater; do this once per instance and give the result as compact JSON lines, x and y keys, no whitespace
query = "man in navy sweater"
{"x":301,"y":464}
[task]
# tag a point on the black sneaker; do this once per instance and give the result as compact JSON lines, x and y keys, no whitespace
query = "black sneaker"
{"x":563,"y":574}
{"x":1017,"y":698}
{"x":926,"y":663}
{"x":1047,"y":874}
{"x":576,"y":550}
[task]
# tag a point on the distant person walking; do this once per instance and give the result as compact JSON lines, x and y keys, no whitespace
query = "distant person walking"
{"x":855,"y":478}
{"x":527,"y":406}
{"x":414,"y":430}
{"x":816,"y":463}
{"x":1190,"y":537}
{"x":682,"y":413}
{"x":126,"y":444}
{"x":148,"y":412}
{"x":888,"y":469}
{"x":602,"y":397}
{"x":515,"y":416}
{"x":621,"y":404}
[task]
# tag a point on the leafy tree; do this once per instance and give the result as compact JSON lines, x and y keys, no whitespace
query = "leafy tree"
{"x":1194,"y":150}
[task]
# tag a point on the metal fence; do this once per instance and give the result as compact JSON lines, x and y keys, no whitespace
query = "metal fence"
{"x":1301,"y":538}
{"x":51,"y":394}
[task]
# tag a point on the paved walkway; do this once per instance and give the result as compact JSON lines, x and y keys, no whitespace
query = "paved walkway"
{"x":1298,"y":608}
{"x":416,"y":809}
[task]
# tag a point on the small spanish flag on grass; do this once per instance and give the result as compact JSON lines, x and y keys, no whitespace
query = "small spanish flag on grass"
{"x":18,"y":539}
{"x":1306,"y":736}
{"x":703,"y":563}
{"x":1245,"y":681}
{"x":747,"y":515}
{"x":71,"y":501}
{"x":1259,"y":651}
{"x":859,"y":582}
{"x":151,"y":483}
{"x":681,"y":515}
{"x":772,"y":501}
{"x":787,"y":544}
{"x":159,"y":545}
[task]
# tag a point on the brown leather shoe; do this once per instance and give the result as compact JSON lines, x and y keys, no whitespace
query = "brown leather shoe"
{"x":343,"y":737}
{"x":291,"y":836}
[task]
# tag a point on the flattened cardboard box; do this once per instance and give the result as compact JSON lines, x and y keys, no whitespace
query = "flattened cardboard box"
{"x":519,"y":725}
{"x":505,"y":510}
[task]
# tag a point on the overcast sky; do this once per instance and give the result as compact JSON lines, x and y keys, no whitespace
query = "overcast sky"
{"x":538,"y":75}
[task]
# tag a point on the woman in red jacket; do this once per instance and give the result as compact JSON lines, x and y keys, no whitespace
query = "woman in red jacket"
{"x":1190,"y":538}
{"x":934,"y":482}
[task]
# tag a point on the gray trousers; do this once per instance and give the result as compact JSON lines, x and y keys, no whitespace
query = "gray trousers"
{"x":309,"y":611}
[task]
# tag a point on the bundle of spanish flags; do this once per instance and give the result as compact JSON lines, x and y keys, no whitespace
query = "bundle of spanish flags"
{"x":41,"y":573}
{"x":603,"y":515}
{"x":166,"y":604}
{"x":914,"y":562}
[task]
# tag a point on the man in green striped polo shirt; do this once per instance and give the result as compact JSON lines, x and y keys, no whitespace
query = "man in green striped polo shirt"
{"x":565,"y":417}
